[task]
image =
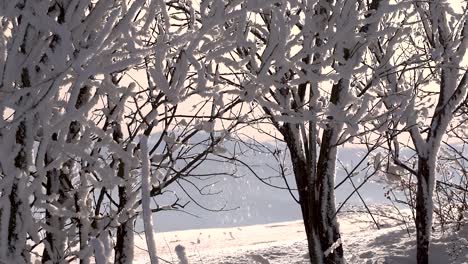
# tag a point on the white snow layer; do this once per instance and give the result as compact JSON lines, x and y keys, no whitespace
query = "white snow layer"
{"x":285,"y":243}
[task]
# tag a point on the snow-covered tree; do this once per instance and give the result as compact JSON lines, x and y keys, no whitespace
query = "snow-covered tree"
{"x":55,"y":54}
{"x":94,"y":123}
{"x":178,"y":109}
{"x":301,"y":66}
{"x":428,"y":87}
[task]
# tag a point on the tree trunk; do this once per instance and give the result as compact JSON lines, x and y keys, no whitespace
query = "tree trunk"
{"x":125,"y":236}
{"x":16,"y":228}
{"x":423,"y":210}
{"x":54,"y":247}
{"x":124,"y":244}
{"x":16,"y":237}
{"x":323,"y":199}
{"x":83,"y":224}
{"x":301,"y":173}
{"x":318,"y":203}
{"x":325,"y":208}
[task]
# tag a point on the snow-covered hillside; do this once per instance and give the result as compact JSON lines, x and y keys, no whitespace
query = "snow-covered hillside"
{"x":248,"y":201}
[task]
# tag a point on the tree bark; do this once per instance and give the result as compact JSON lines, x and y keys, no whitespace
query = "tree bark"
{"x":325,"y":188}
{"x":16,"y":228}
{"x":55,"y":247}
{"x":301,"y":173}
{"x":318,"y":203}
{"x":423,"y":211}
{"x":125,"y":236}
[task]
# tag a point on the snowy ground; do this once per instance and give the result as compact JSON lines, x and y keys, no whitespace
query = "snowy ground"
{"x":285,"y":242}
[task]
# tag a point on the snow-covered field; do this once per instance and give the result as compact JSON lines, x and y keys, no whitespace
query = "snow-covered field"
{"x":285,"y":242}
{"x":264,"y":228}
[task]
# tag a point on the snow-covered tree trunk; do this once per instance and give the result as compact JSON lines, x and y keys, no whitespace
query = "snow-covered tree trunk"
{"x":55,"y":239}
{"x":332,"y":34}
{"x":18,"y":203}
{"x":424,"y":208}
{"x":16,"y":214}
{"x":301,"y":168}
{"x":54,"y":244}
{"x":124,"y":246}
{"x":448,"y":42}
{"x":325,"y":184}
{"x":146,"y":200}
{"x":427,"y":152}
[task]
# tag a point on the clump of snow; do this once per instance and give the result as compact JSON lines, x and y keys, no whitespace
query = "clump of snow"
{"x":180,"y":251}
{"x":333,"y":247}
